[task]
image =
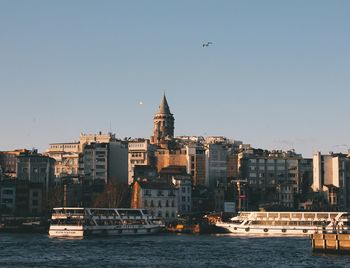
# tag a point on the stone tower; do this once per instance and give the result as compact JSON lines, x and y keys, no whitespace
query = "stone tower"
{"x":163,"y":123}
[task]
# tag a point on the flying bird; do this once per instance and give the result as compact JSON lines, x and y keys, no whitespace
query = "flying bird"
{"x":207,"y":44}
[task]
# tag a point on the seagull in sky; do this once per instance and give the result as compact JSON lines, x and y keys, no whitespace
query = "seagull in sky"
{"x":207,"y":44}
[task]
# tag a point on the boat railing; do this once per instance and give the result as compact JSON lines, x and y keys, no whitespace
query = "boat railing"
{"x":331,"y":230}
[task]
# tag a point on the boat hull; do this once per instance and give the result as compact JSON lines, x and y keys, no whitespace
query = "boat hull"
{"x":66,"y":231}
{"x":267,"y":230}
{"x":73,"y":231}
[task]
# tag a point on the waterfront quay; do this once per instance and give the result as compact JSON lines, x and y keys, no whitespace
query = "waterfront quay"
{"x":331,"y":243}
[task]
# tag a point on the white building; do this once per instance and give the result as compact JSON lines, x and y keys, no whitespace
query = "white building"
{"x":66,"y":156}
{"x":160,"y":198}
{"x":140,"y":152}
{"x":184,"y":187}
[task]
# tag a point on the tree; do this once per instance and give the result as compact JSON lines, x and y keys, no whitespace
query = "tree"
{"x":114,"y":195}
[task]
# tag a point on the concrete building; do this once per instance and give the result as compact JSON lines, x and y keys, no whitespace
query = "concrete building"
{"x":66,"y":156}
{"x":103,"y":162}
{"x":275,"y":175}
{"x":184,"y":186}
{"x":159,"y":198}
{"x":7,"y":197}
{"x":8,"y":162}
{"x":216,"y":163}
{"x":163,"y":124}
{"x":35,"y":176}
{"x":182,"y":181}
{"x":331,"y":175}
{"x":171,"y":157}
{"x":140,"y":152}
{"x":35,"y":168}
{"x":195,"y":156}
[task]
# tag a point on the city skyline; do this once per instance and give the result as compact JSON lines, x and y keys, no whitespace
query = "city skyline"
{"x":275,"y":77}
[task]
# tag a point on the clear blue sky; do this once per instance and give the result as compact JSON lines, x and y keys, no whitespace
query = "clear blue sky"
{"x":277,"y":75}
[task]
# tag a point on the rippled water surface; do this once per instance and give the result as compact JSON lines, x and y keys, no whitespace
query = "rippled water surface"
{"x":165,"y":250}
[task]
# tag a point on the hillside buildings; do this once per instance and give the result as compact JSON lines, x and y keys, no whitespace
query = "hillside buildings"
{"x":171,"y":175}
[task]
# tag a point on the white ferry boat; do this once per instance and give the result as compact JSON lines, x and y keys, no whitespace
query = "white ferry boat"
{"x":81,"y":222}
{"x":286,"y":223}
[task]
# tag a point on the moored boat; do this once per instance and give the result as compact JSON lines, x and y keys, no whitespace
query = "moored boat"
{"x":286,"y":223}
{"x":81,"y":222}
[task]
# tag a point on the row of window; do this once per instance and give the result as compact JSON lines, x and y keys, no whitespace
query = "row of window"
{"x":136,"y":154}
{"x":166,"y":214}
{"x":183,"y":189}
{"x":183,"y":199}
{"x":7,"y":191}
{"x":269,"y":161}
{"x":63,"y":170}
{"x":272,"y":175}
{"x":159,"y":192}
{"x":151,"y":204}
{"x":34,"y":170}
{"x":139,"y":145}
{"x":64,"y":146}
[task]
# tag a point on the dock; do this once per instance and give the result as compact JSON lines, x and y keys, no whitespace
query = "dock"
{"x":331,"y":243}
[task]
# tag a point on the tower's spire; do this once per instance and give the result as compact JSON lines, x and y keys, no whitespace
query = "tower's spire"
{"x":164,"y":107}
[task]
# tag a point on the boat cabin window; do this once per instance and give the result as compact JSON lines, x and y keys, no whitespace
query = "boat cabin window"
{"x":67,"y":222}
{"x":129,"y":212}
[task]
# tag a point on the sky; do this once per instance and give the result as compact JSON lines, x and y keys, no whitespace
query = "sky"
{"x":277,"y":75}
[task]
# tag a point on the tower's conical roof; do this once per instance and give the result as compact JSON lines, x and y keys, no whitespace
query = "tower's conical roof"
{"x":164,"y":107}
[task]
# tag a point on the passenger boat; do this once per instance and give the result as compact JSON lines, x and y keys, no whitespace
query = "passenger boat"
{"x":286,"y":223}
{"x":81,"y":222}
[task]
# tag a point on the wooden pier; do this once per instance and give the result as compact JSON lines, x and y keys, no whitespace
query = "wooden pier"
{"x":331,"y":243}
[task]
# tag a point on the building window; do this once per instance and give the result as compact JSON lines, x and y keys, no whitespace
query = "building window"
{"x":146,"y":203}
{"x":167,"y":203}
{"x":35,"y":202}
{"x":35,"y":194}
{"x":173,"y":203}
{"x":159,"y":204}
{"x":183,"y":189}
{"x":152,"y":204}
{"x":183,"y":199}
